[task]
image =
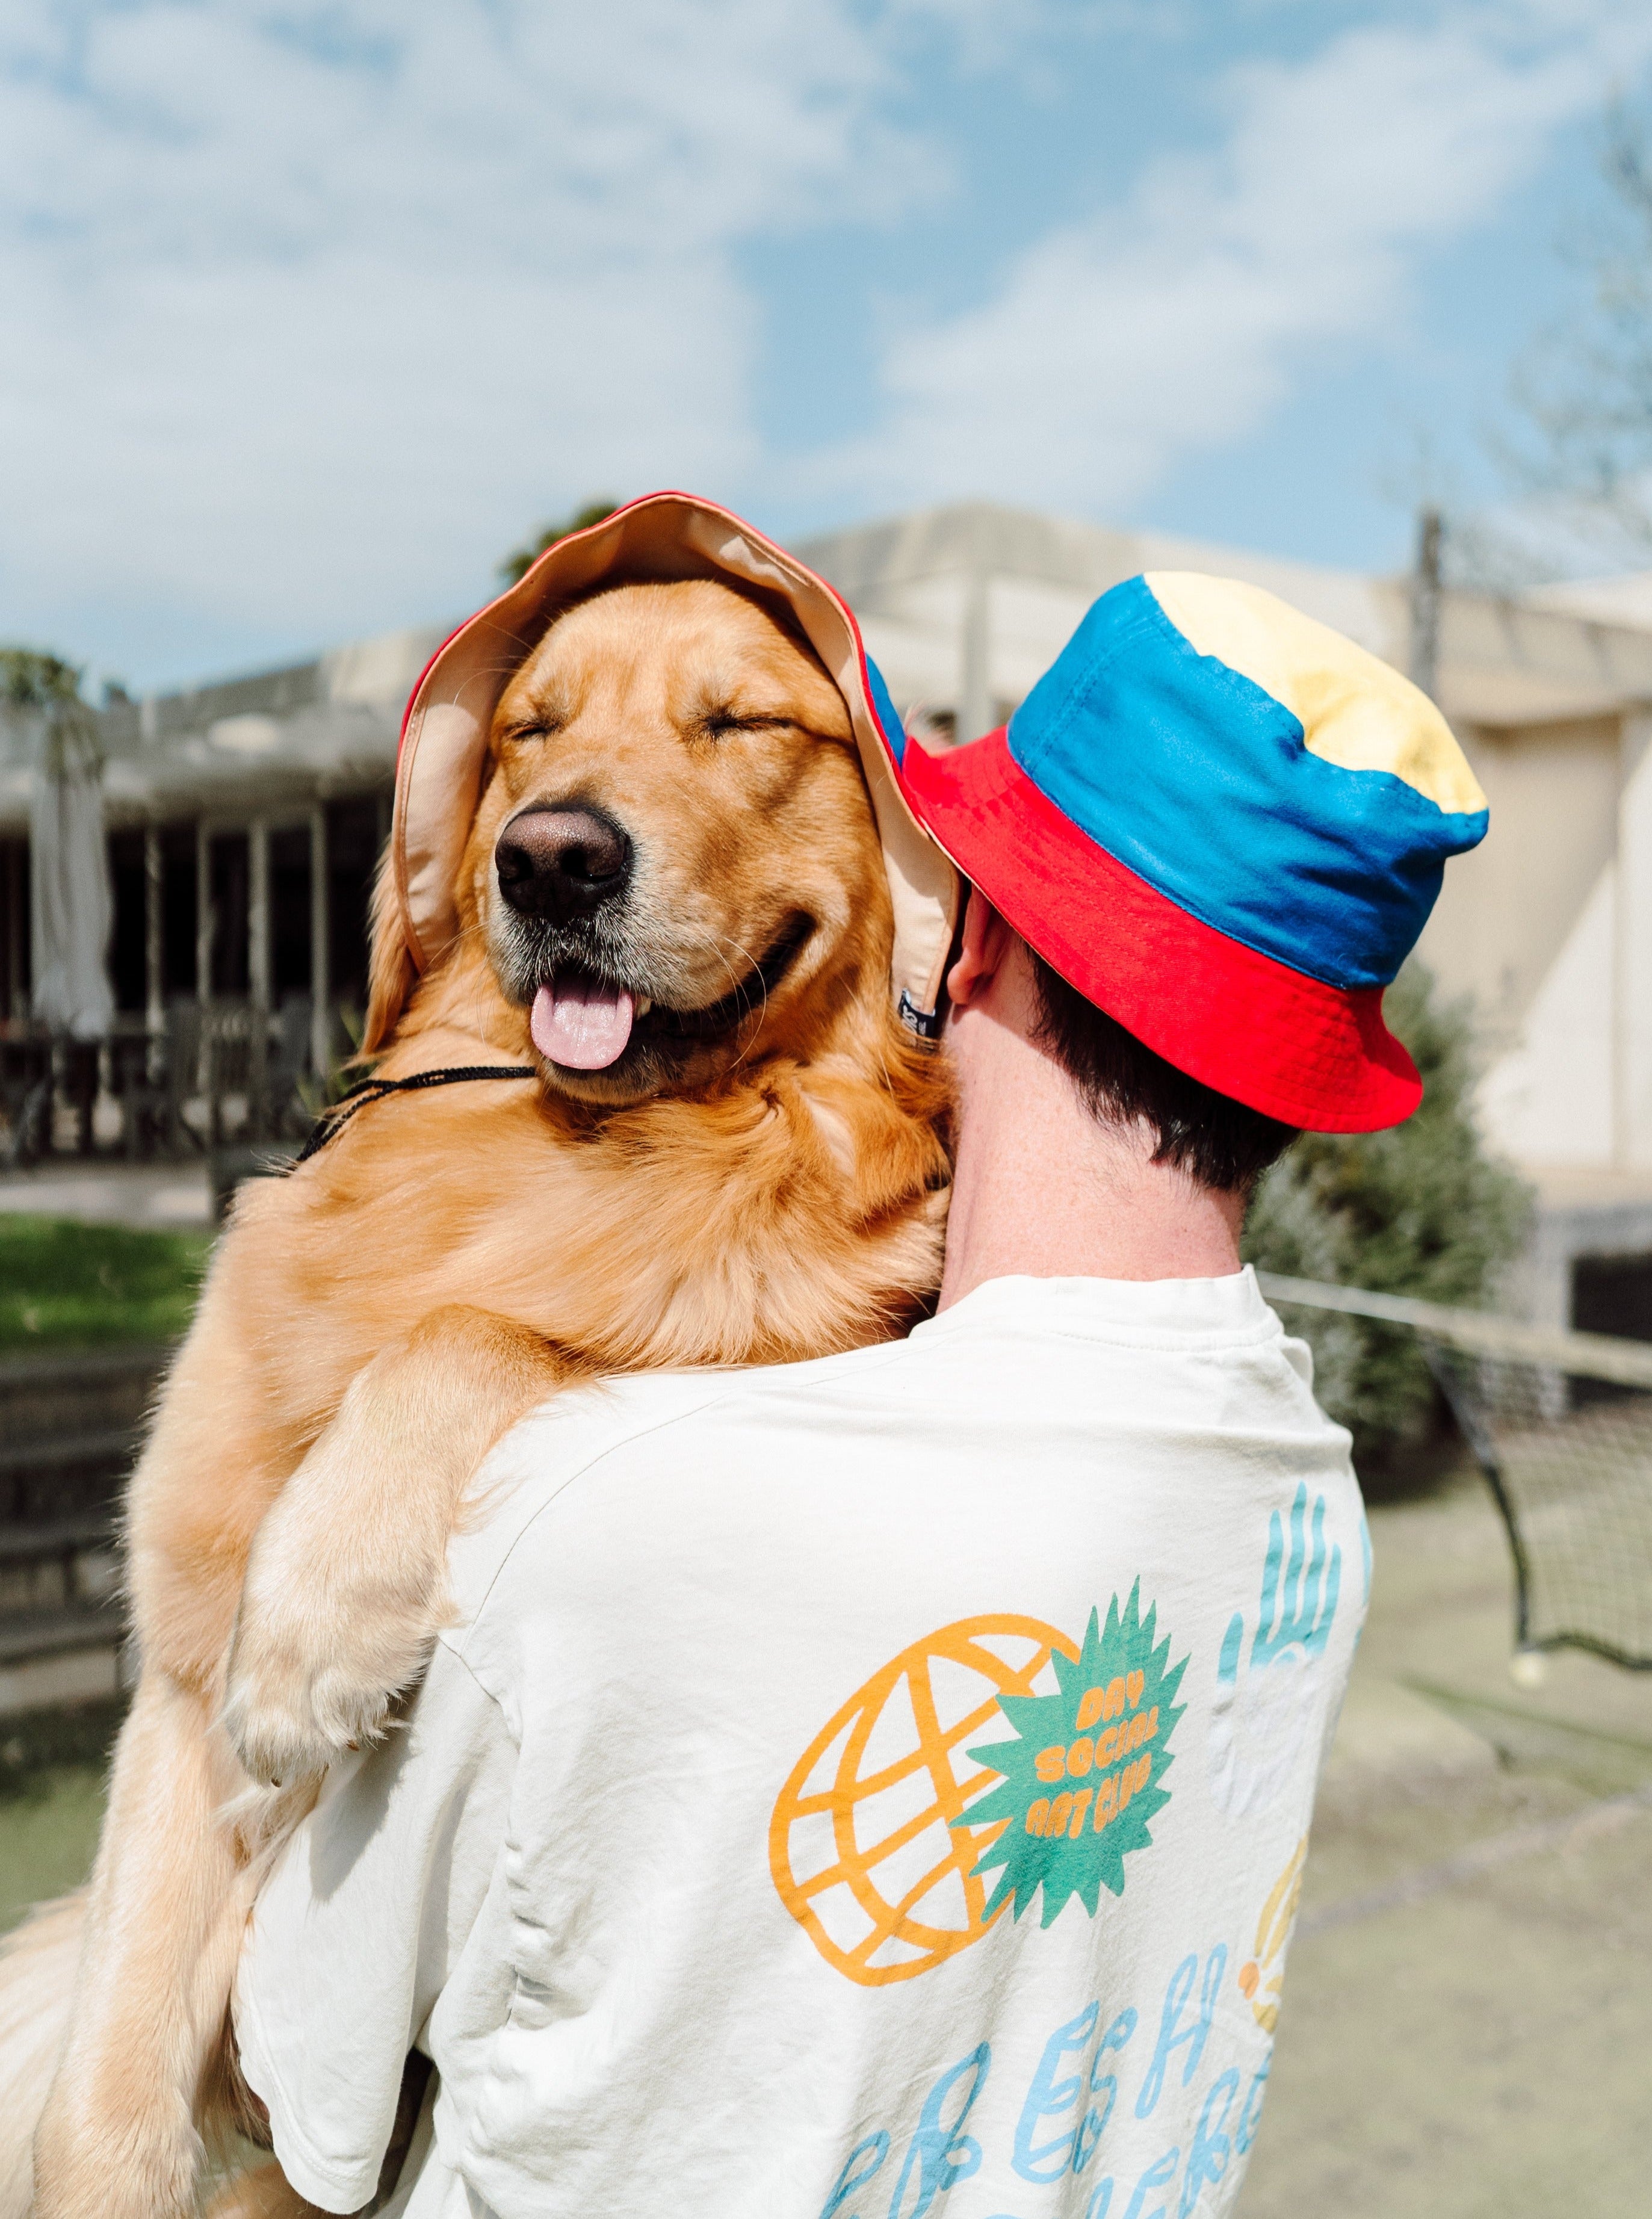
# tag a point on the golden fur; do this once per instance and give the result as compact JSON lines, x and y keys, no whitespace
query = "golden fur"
{"x":372,"y":1324}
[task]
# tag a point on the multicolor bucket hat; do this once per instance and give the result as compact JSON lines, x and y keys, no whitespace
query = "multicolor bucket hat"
{"x":1226,"y":825}
{"x":664,"y":536}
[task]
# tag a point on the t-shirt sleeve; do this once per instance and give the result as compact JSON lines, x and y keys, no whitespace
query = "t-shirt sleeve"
{"x":356,"y":1929}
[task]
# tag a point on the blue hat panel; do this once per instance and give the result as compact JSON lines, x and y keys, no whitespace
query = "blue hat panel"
{"x":1196,"y":779}
{"x":884,"y":709}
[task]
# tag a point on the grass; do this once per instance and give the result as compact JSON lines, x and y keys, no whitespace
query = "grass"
{"x":66,"y":1286}
{"x":52,"y":1790}
{"x":47,"y":1843}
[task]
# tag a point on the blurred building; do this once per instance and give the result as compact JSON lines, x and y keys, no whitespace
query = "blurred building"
{"x":244,"y":821}
{"x":245,"y":818}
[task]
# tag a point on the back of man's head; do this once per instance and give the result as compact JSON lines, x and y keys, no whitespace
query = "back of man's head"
{"x":1217,"y":1141}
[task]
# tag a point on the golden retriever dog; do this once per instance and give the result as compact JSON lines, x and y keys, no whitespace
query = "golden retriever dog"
{"x":648,"y":861}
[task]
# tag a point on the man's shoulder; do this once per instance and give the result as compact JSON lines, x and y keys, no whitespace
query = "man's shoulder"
{"x":1002,"y":1325}
{"x":565,"y":1436}
{"x":585,"y":1428}
{"x":1045,"y":1370}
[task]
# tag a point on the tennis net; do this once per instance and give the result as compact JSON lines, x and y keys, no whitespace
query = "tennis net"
{"x":1560,"y":1424}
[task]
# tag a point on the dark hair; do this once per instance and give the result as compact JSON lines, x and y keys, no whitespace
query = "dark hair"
{"x":1216,"y":1140}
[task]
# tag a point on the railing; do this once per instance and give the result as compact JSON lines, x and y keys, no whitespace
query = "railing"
{"x":210,"y":1074}
{"x":70,"y":1428}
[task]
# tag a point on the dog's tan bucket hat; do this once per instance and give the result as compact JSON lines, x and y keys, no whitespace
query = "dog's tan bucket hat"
{"x":664,"y":535}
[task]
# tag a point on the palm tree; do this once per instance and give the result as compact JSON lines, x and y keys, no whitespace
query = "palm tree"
{"x":30,"y":678}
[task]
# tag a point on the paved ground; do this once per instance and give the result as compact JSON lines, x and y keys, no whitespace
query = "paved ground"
{"x":156,"y":1196}
{"x":1467,"y":2030}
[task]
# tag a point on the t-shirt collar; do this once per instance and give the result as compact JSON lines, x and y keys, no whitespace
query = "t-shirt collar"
{"x":1228,"y":1308}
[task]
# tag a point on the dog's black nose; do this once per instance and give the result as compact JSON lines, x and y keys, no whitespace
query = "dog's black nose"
{"x":561,"y":863}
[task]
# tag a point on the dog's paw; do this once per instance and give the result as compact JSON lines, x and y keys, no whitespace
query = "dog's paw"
{"x":287,"y":1724}
{"x":313,"y":1672}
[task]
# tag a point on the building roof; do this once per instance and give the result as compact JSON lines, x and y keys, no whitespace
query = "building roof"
{"x":911,"y":580}
{"x":1622,"y":600}
{"x":963,"y":608}
{"x":271,"y":741}
{"x":1537,"y":658}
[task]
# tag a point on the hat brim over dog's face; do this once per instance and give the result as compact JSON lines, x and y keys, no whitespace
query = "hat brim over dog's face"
{"x":664,"y":537}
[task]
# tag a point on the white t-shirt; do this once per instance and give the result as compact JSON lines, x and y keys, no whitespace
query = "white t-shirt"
{"x":853,"y":1790}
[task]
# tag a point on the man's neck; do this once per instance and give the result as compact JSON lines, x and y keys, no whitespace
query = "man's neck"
{"x":1044,"y":1188}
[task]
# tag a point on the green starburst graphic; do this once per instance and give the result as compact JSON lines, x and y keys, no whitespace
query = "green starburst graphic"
{"x":1081,"y":1781}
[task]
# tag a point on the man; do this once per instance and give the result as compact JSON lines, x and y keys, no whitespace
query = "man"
{"x":859,"y":1782}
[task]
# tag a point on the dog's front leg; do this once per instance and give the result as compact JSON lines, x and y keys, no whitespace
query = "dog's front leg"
{"x":345,"y":1587}
{"x":117,"y":2139}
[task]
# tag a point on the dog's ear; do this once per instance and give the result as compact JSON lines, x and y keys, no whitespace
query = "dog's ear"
{"x":391,"y":973}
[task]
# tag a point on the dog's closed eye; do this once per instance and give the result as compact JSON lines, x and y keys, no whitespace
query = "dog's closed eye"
{"x":718,"y":724}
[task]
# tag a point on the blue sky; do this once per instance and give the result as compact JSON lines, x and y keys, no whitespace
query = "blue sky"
{"x":314,"y":310}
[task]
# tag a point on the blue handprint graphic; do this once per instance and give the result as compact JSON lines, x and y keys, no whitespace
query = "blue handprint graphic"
{"x":1264,"y":1704}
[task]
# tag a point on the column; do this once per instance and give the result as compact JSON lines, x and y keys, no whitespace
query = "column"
{"x":154,"y":976}
{"x":205,"y":1073}
{"x":320,"y":947}
{"x":203,"y":914}
{"x":975,"y":674}
{"x":258,"y":965}
{"x":1632,"y":982}
{"x":1425,"y":603}
{"x":16,"y":983}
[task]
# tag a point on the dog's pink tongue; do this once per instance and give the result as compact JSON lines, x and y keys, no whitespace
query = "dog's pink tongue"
{"x":582,"y":1026}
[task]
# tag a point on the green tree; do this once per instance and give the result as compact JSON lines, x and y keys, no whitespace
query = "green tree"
{"x":30,"y":678}
{"x":516,"y":566}
{"x":1422,"y":1210}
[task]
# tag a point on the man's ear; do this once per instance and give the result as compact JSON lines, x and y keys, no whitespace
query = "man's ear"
{"x":985,"y":943}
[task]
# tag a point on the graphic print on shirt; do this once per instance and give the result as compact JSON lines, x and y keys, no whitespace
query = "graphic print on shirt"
{"x":1262,"y":1977}
{"x":1081,"y":1781}
{"x":1265,"y":1700}
{"x":884,"y":1835}
{"x":1145,"y":2105}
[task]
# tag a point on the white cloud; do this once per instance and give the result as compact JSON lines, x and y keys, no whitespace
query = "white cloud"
{"x":314,"y":310}
{"x":1116,"y":348}
{"x":313,"y":306}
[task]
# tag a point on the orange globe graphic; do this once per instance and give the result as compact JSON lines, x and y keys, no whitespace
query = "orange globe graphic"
{"x":861,"y":1844}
